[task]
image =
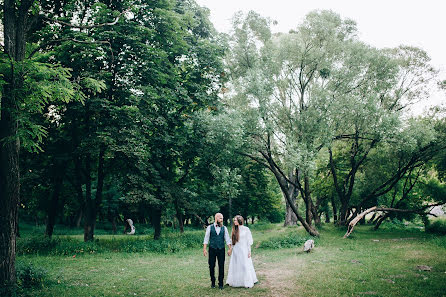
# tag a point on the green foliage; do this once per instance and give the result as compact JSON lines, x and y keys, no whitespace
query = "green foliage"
{"x":438,"y":227}
{"x":68,"y":246}
{"x":30,"y":276}
{"x":287,"y":240}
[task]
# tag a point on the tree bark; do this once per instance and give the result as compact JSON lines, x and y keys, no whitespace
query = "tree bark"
{"x":14,"y":23}
{"x":285,"y":189}
{"x":327,"y":217}
{"x":290,"y":216}
{"x":380,"y":220}
{"x":89,"y":213}
{"x":156,"y":223}
{"x":53,"y":207}
{"x":335,"y":211}
{"x":114,"y":226}
{"x":179,"y":216}
{"x":308,"y":202}
{"x":92,"y":206}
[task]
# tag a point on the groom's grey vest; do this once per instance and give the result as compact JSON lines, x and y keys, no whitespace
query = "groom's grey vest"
{"x":217,"y":241}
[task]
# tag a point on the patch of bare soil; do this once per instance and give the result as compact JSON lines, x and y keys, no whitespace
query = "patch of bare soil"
{"x":279,"y":278}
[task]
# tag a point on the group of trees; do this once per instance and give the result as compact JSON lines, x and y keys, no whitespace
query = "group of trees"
{"x":328,"y":115}
{"x":112,"y":105}
{"x":140,"y":109}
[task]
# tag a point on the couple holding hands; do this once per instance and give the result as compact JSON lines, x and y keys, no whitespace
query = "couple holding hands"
{"x":241,"y":270}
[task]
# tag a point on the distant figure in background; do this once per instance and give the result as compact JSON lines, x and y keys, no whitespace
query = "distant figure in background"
{"x":241,"y":270}
{"x":129,"y":224}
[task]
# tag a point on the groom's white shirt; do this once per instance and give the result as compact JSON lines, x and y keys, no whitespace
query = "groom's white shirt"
{"x":217,"y":229}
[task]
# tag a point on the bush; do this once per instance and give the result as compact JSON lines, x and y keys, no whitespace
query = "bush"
{"x":29,"y":276}
{"x":36,"y":245}
{"x":62,"y":246}
{"x":437,"y":227}
{"x":261,"y":226}
{"x":284,"y":241}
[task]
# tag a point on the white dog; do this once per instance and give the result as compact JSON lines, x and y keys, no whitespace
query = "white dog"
{"x":309,"y":244}
{"x":132,"y":228}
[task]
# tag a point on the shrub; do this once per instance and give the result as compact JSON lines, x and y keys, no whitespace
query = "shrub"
{"x":29,"y":276}
{"x":437,"y":227}
{"x":261,"y":226}
{"x":36,"y":245}
{"x":62,"y":246}
{"x":283,"y":241}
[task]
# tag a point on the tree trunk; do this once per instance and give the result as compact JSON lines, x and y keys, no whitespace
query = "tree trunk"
{"x":308,"y":202}
{"x":156,"y":222}
{"x":79,"y":218}
{"x":180,"y":218}
{"x":89,"y":221}
{"x":92,"y":206}
{"x":327,"y":217}
{"x":9,"y":199}
{"x":14,"y":24}
{"x":53,"y":207}
{"x":335,"y":211}
{"x":230,"y":210}
{"x":89,"y":212}
{"x":284,"y":186}
{"x":290,"y":216}
{"x":343,"y":215}
{"x":114,"y":226}
{"x":380,"y":220}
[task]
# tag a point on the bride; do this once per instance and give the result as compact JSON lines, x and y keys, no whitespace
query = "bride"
{"x":241,"y":270}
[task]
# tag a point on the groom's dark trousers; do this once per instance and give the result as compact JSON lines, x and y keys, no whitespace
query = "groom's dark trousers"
{"x":220,"y":255}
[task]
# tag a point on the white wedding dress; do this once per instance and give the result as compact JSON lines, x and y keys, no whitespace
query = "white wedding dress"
{"x":241,"y":270}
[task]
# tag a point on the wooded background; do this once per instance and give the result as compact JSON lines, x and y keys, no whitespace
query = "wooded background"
{"x":141,"y":110}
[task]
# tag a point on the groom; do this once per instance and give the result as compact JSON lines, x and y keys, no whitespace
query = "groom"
{"x":216,"y":236}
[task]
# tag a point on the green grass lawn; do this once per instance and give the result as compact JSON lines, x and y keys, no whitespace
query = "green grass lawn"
{"x":369,"y":263}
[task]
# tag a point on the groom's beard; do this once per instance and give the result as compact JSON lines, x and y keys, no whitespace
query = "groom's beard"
{"x":219,"y":224}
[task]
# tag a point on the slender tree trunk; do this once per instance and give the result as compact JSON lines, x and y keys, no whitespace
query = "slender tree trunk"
{"x":327,"y":217}
{"x":316,"y":216}
{"x":290,"y":216}
{"x":179,"y":216}
{"x":114,"y":225}
{"x":335,"y":211}
{"x":380,"y":220}
{"x":53,"y":208}
{"x":89,"y":214}
{"x":92,"y":206}
{"x":79,"y":217}
{"x":230,"y":210}
{"x":307,"y":199}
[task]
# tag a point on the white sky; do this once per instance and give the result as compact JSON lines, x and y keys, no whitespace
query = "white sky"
{"x":381,"y":23}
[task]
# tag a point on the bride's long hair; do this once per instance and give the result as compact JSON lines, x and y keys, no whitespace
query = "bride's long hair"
{"x":236,"y":230}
